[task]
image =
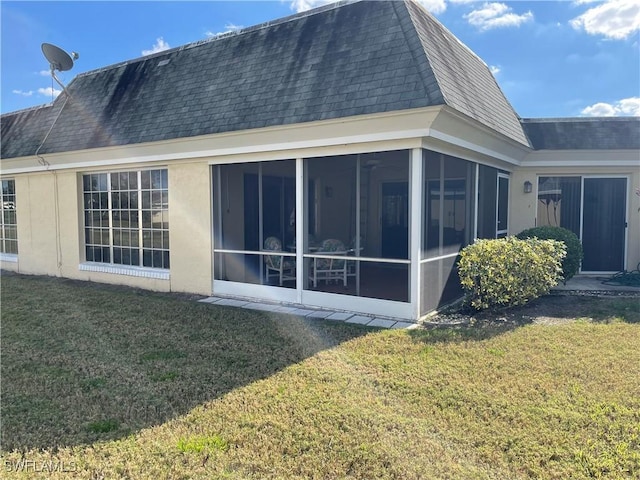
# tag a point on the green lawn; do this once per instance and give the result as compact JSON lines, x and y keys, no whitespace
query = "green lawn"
{"x":102,"y":382}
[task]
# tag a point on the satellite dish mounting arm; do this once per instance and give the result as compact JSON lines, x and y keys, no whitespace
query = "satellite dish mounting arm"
{"x":53,"y":75}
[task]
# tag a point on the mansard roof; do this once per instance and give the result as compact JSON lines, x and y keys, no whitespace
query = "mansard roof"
{"x":340,"y":60}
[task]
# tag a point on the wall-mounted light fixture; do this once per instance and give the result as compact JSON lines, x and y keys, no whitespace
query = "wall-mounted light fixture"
{"x":528,"y":187}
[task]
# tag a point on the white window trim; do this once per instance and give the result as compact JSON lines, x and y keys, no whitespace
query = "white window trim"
{"x":9,"y":257}
{"x":132,"y":271}
{"x":118,"y":266}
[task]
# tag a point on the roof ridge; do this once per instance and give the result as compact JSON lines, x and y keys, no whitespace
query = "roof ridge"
{"x":222,"y":36}
{"x":27,"y":109}
{"x":450,"y":60}
{"x":454,"y":37}
{"x":579,"y":119}
{"x":424,"y":55}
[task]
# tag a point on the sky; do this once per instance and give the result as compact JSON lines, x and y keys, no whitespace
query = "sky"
{"x":551,"y":58}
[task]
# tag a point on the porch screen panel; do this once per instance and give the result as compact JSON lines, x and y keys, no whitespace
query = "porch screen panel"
{"x":254,"y":211}
{"x":432,"y":225}
{"x":502,"y":226}
{"x":440,"y":283}
{"x":487,"y":195}
{"x":457,"y":196}
{"x":449,"y":206}
{"x":361,"y":206}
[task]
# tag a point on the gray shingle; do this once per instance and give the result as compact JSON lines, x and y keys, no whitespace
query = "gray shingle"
{"x":339,"y":60}
{"x":23,"y":131}
{"x":465,"y":81}
{"x":608,"y":133}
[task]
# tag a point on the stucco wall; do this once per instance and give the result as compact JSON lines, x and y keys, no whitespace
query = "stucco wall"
{"x":190,"y":227}
{"x":36,"y":217}
{"x":50,"y":229}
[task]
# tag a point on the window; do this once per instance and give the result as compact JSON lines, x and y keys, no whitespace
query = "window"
{"x":559,"y":202}
{"x":126,"y":218}
{"x":8,"y":222}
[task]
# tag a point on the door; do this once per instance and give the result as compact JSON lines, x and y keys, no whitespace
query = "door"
{"x":604,"y":224}
{"x":395,"y":220}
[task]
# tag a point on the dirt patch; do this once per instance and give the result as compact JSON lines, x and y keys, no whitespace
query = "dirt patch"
{"x":551,"y":309}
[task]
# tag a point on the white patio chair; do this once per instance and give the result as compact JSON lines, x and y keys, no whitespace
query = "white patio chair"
{"x":330,"y":269}
{"x":284,"y":268}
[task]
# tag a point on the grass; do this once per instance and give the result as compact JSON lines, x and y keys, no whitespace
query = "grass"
{"x":109,"y":382}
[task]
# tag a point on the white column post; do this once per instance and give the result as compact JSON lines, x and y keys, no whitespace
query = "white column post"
{"x":301,"y":226}
{"x":415,"y":244}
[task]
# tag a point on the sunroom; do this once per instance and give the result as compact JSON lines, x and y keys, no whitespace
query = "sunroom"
{"x":377,"y":232}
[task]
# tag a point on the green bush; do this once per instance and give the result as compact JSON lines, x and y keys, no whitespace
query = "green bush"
{"x":573,"y":259}
{"x":509,"y":271}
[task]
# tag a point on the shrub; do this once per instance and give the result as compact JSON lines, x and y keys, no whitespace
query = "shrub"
{"x":509,"y":271}
{"x":573,"y":259}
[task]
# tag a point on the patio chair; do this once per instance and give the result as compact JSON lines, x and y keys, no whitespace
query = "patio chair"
{"x":329,"y":269}
{"x":278,"y":265}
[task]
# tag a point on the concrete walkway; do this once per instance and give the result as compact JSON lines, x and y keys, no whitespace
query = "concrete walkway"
{"x":589,"y":283}
{"x":312,"y":313}
{"x":578,"y":284}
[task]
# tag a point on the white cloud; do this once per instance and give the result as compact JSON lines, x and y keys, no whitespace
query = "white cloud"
{"x":23,"y":93}
{"x":495,"y":69}
{"x":304,"y":5}
{"x":44,"y":73}
{"x":229,"y":27}
{"x":615,"y":19}
{"x":49,"y":92}
{"x":625,"y":107}
{"x":159,"y":46}
{"x":496,"y":15}
{"x":434,"y":6}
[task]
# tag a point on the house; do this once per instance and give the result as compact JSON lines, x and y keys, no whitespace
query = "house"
{"x":337,"y":158}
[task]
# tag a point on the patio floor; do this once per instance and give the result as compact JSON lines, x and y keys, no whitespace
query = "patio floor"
{"x":590,"y":283}
{"x":584,"y":284}
{"x":313,"y":313}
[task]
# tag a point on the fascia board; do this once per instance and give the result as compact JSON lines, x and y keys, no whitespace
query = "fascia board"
{"x":403,"y":125}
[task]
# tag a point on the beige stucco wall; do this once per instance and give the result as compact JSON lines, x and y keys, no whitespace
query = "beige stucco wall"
{"x":190,"y":227}
{"x":50,"y":229}
{"x":36,"y":217}
{"x":523,"y":206}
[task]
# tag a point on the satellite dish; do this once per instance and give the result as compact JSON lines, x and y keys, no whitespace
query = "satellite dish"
{"x":58,"y":58}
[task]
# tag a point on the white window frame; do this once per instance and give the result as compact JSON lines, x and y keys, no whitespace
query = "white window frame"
{"x":4,"y":255}
{"x":139,"y":270}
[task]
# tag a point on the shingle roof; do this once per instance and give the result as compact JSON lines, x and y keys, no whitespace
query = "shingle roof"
{"x":23,"y":131}
{"x":465,"y":81}
{"x":607,"y":133}
{"x":340,"y":60}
